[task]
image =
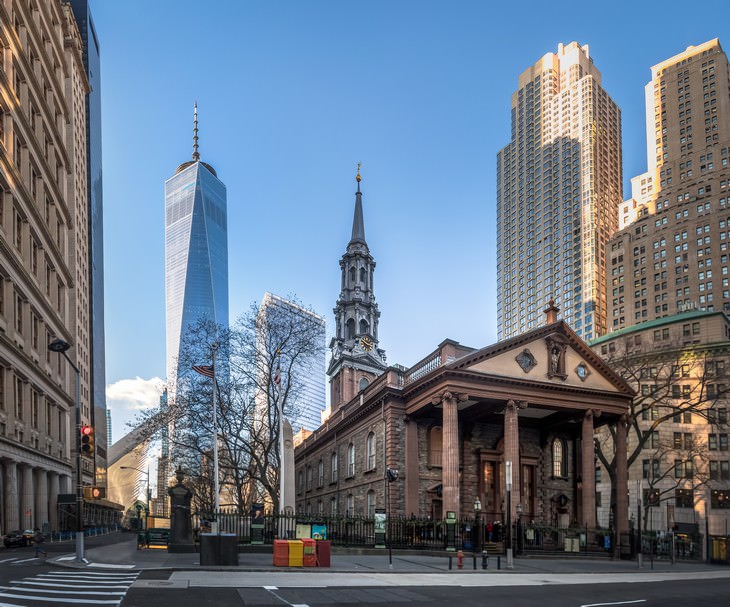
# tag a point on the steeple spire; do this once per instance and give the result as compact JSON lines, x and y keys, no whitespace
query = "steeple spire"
{"x":358,"y":224}
{"x":196,"y":154}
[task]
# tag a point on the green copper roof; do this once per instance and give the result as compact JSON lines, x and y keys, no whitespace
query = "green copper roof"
{"x":651,"y":324}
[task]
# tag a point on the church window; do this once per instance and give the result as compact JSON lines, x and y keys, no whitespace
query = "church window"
{"x":371,"y":451}
{"x":352,"y":275}
{"x":371,"y":503}
{"x":333,"y":468}
{"x":362,"y":275}
{"x":351,"y":460}
{"x":363,"y":383}
{"x":364,"y":327}
{"x":560,"y":460}
{"x":435,"y":446}
{"x":350,"y":328}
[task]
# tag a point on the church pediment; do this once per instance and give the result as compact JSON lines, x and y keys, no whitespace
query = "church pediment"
{"x":553,"y":354}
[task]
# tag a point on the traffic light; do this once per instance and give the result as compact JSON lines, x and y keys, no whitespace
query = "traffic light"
{"x":87,"y":440}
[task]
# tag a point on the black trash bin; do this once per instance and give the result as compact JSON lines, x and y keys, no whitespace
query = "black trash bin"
{"x":218,"y":549}
{"x":228,"y":549}
{"x":209,"y":549}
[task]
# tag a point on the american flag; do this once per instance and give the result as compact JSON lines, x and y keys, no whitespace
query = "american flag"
{"x":206,"y":370}
{"x":277,"y":375}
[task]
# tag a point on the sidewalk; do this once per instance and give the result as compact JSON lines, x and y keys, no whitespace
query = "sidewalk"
{"x":124,"y":554}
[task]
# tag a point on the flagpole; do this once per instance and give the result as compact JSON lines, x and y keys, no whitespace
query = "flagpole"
{"x":281,"y":439}
{"x":214,"y":347}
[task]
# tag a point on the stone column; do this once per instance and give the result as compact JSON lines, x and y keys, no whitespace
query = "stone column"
{"x":65,"y":484}
{"x":12,"y":510}
{"x":27,"y":498}
{"x":450,"y":453}
{"x":512,"y":450}
{"x":411,"y":471}
{"x":622,"y":483}
{"x":53,"y":501}
{"x":41,"y":498}
{"x":588,"y":468}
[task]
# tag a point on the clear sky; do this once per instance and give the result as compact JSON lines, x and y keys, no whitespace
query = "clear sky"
{"x":291,"y":96}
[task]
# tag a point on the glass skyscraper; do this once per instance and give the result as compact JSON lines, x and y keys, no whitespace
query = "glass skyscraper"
{"x":196,"y":250}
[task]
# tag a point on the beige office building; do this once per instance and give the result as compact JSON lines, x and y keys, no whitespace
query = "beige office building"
{"x":558,"y":192}
{"x":673,"y":257}
{"x":43,"y":258}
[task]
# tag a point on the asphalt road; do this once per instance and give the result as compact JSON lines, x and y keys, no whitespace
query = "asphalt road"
{"x":665,"y":594}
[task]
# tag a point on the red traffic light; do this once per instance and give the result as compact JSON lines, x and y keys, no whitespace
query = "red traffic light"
{"x":87,"y":440}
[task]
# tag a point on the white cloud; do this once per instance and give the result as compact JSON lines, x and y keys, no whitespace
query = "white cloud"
{"x":128,"y":396}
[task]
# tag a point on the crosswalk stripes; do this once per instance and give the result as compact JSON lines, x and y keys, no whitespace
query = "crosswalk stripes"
{"x":61,"y":587}
{"x":18,"y":561}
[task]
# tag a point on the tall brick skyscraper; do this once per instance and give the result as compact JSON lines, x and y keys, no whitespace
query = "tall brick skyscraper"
{"x":674,"y":256}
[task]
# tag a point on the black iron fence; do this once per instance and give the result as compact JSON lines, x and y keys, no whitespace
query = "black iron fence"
{"x":470,"y":535}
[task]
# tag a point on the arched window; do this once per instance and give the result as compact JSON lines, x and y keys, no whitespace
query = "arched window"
{"x":309,"y":507}
{"x":309,"y":476}
{"x":362,"y":275}
{"x":371,"y":503}
{"x":320,"y":473}
{"x":333,"y":468}
{"x":364,"y":326}
{"x":435,"y":446}
{"x":320,"y":507}
{"x":371,"y":451}
{"x":333,"y":506}
{"x":363,"y":383}
{"x":351,"y":460}
{"x":350,"y":504}
{"x":350,"y":328}
{"x":353,"y":275}
{"x":301,"y":481}
{"x":560,"y":458}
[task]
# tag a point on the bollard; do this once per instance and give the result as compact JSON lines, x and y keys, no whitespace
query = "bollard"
{"x":485,"y":560}
{"x":475,"y":561}
{"x":460,"y":559}
{"x":450,"y":567}
{"x":499,"y":562}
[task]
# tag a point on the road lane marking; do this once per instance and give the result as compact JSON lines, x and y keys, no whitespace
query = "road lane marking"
{"x":617,"y":603}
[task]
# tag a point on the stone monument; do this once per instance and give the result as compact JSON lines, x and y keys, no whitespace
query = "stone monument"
{"x":181,"y":526}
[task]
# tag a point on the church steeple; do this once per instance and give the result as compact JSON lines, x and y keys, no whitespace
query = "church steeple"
{"x":358,"y":224}
{"x":356,"y":357}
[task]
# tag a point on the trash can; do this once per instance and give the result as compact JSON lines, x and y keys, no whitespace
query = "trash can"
{"x":323,"y":553}
{"x":218,"y":549}
{"x":209,"y":549}
{"x":228,"y":554}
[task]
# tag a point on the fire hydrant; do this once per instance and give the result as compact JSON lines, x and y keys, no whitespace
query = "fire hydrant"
{"x":460,"y":559}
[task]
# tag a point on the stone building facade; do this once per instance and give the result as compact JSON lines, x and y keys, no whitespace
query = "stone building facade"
{"x":450,"y":424}
{"x":680,"y":367}
{"x":44,"y":286}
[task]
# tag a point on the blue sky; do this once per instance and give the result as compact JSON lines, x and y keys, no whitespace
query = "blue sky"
{"x":292,"y":95}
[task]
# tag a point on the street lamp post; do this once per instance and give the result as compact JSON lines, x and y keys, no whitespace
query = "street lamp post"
{"x":148,"y":493}
{"x":477,"y":523}
{"x":60,"y":346}
{"x":508,"y":483}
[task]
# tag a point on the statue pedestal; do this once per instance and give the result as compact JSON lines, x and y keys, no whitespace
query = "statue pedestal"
{"x":181,"y":527}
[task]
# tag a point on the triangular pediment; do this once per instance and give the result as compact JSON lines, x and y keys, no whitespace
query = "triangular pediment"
{"x":553,"y":354}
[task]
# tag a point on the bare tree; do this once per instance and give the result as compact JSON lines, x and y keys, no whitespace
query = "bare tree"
{"x":675,"y":384}
{"x":261,"y":362}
